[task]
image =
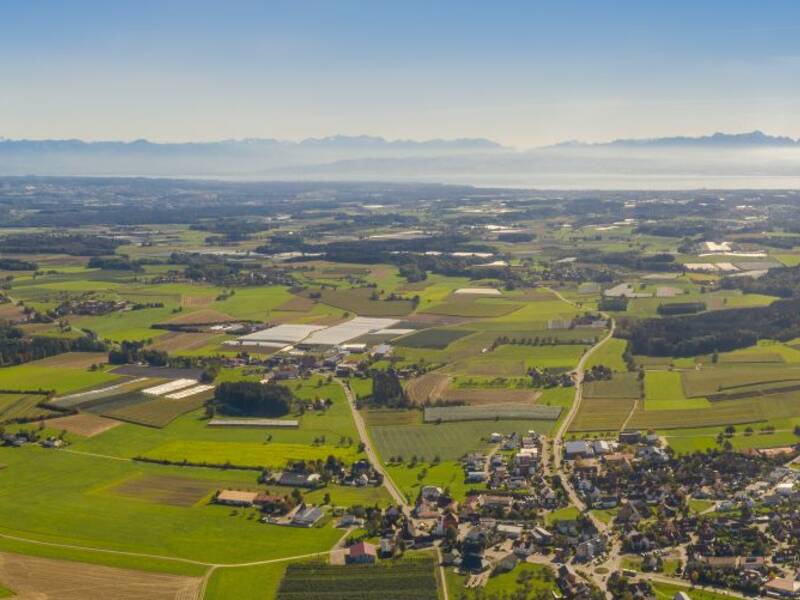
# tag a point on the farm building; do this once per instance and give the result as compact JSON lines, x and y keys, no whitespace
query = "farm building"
{"x":254,"y":423}
{"x":362,"y":553}
{"x":293,"y":479}
{"x":630,"y":436}
{"x":577,"y":449}
{"x":236,"y":498}
{"x":307,"y":516}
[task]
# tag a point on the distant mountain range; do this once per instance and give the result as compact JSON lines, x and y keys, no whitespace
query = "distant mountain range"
{"x":740,"y":140}
{"x":469,"y":160}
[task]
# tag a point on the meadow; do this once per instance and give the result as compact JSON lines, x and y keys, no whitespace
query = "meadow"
{"x":663,"y":390}
{"x":609,"y":355}
{"x":433,"y":338}
{"x":47,"y":375}
{"x":358,"y":301}
{"x":245,"y":582}
{"x":474,"y":308}
{"x":621,"y":385}
{"x":22,"y":406}
{"x":602,"y":414}
{"x":528,"y":579}
{"x":83,"y":510}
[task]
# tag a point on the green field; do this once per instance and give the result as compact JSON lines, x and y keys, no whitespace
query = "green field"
{"x":703,"y":438}
{"x":722,"y":413}
{"x":260,"y":581}
{"x":569,"y":513}
{"x":527,"y":579}
{"x":622,"y":385}
{"x":708,"y":381}
{"x":22,"y":406}
{"x":83,"y":510}
{"x":666,"y":591}
{"x":449,"y":475}
{"x":609,"y":355}
{"x":511,"y":360}
{"x":358,"y":301}
{"x":663,"y":390}
{"x":602,"y":414}
{"x":155,"y":412}
{"x":41,"y":374}
{"x":273,"y":454}
{"x":433,"y":338}
{"x":188,"y":437}
{"x":474,"y":308}
{"x":448,"y":440}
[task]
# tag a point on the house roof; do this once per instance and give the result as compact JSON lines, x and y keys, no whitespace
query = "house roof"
{"x":784,"y":584}
{"x":362,"y":549}
{"x":576,"y":447}
{"x":236,"y":496}
{"x":310,"y":514}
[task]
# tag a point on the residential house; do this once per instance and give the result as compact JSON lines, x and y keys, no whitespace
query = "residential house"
{"x":782,"y":587}
{"x":362,"y":553}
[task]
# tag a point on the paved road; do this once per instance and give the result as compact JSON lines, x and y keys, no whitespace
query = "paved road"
{"x":361,"y":427}
{"x":576,"y":404}
{"x":558,"y":440}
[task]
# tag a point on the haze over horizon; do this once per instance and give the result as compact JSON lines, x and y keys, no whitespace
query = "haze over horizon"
{"x":526,"y":76}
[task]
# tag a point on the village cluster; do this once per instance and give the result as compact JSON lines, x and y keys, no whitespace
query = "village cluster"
{"x":627,"y":506}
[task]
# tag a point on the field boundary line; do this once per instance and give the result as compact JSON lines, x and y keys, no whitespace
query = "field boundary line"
{"x":96,"y":455}
{"x":104,"y":550}
{"x":630,"y":414}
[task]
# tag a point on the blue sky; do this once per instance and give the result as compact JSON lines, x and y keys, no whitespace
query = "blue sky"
{"x":522,"y":73}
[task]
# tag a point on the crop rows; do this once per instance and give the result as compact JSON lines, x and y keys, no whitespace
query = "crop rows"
{"x":407,"y":580}
{"x":485,"y":413}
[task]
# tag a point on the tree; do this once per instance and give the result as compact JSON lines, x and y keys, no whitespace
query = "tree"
{"x":387,"y":389}
{"x":254,"y":399}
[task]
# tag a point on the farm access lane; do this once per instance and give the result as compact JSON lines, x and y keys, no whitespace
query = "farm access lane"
{"x":370,"y":451}
{"x":558,"y":439}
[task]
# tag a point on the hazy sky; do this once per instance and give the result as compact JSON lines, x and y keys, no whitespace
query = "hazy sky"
{"x":525,"y":74}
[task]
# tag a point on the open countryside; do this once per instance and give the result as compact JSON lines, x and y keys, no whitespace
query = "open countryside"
{"x":399,"y":300}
